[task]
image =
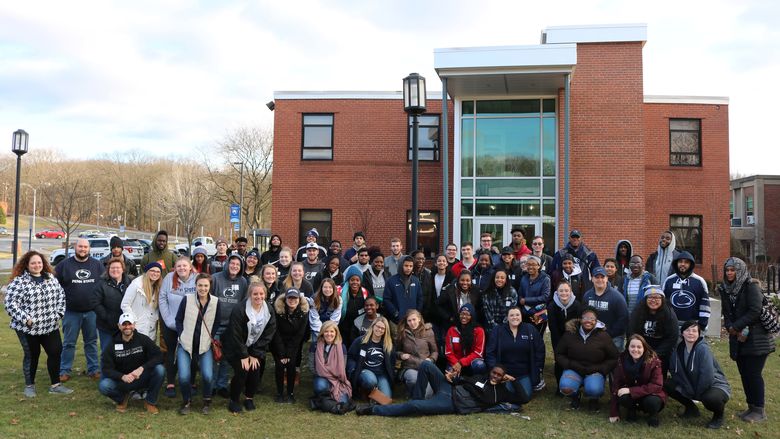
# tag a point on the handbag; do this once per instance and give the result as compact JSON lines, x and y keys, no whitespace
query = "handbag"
{"x":216,"y":345}
{"x":770,"y":317}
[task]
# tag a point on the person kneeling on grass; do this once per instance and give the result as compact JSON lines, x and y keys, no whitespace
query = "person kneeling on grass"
{"x":496,"y":392}
{"x":638,"y":382}
{"x":132,"y":362}
{"x":328,"y":360}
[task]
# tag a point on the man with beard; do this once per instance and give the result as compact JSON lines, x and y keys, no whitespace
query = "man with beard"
{"x":312,"y":265}
{"x":402,"y":292}
{"x":687,"y":292}
{"x":659,"y":263}
{"x":160,"y":254}
{"x":583,"y":256}
{"x":396,"y":253}
{"x":78,"y":276}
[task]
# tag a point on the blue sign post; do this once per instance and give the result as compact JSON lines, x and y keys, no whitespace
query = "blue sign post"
{"x":235,"y":213}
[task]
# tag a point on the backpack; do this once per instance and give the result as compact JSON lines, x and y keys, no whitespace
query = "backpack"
{"x":770,"y":317}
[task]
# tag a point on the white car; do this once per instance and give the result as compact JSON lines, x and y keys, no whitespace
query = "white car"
{"x":98,"y":248}
{"x":206,"y":242}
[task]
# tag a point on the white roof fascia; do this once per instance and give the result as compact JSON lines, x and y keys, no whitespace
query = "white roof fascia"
{"x":514,"y":57}
{"x":282,"y":95}
{"x":603,"y":33}
{"x":701,"y":100}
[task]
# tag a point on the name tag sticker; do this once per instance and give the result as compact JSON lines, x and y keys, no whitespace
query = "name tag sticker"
{"x":119,"y":347}
{"x":677,"y":285}
{"x":480,"y":385}
{"x":508,"y":303}
{"x":362,"y":353}
{"x":456,"y":339}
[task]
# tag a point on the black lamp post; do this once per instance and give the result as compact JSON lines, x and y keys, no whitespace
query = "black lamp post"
{"x":19,"y":147}
{"x":414,"y":104}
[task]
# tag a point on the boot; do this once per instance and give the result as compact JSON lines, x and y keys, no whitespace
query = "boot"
{"x":746,"y":412}
{"x":691,"y":411}
{"x":757,"y":415}
{"x":716,"y":422}
{"x":379,"y":397}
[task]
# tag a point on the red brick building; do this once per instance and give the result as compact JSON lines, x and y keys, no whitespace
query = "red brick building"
{"x":755,"y":225}
{"x":607,"y":160}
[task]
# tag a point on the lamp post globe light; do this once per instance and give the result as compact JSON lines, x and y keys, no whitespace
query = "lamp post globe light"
{"x":414,"y":104}
{"x":19,"y":144}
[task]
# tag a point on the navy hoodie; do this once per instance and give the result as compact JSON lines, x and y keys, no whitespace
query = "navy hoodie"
{"x":612,"y":309}
{"x":80,"y":282}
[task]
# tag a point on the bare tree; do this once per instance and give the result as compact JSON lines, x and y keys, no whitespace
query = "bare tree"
{"x":188,"y":198}
{"x":71,"y":201}
{"x":253,"y":147}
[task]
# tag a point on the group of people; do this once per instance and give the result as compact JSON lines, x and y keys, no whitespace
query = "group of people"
{"x":464,"y":336}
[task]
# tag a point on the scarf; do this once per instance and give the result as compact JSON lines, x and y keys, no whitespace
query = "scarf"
{"x":256,"y":323}
{"x":663,"y":262}
{"x":334,"y":370}
{"x":732,"y":289}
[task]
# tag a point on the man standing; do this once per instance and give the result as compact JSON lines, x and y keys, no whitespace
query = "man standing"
{"x":229,"y":286}
{"x":611,"y":307}
{"x":78,"y":276}
{"x":311,"y":236}
{"x":583,"y":256}
{"x":687,"y":291}
{"x":241,"y":245}
{"x":132,"y":363}
{"x":403,"y":292}
{"x":312,"y":265}
{"x":467,"y":261}
{"x":362,"y":260}
{"x":160,"y":254}
{"x":486,"y":246}
{"x":117,"y":246}
{"x":396,"y":254}
{"x":220,"y":258}
{"x":635,"y":283}
{"x":537,"y":249}
{"x":426,"y":281}
{"x":659,"y":263}
{"x":451,"y":252}
{"x":518,"y":246}
{"x":359,"y":242}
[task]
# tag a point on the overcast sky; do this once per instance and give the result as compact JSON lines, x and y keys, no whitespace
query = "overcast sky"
{"x":170,"y":77}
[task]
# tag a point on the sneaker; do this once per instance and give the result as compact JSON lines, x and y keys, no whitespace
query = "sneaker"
{"x":185,"y":409}
{"x":234,"y":407}
{"x":249,"y":405}
{"x":747,"y":411}
{"x":540,"y":386}
{"x":121,"y":407}
{"x":29,"y":391}
{"x":64,"y":378}
{"x":291,"y":399}
{"x":135,"y":396}
{"x":716,"y":422}
{"x":757,"y":415}
{"x":151,"y":408}
{"x":60,"y":389}
{"x":206,"y":407}
{"x":170,"y":391}
{"x":223,"y":393}
{"x":281,"y":399}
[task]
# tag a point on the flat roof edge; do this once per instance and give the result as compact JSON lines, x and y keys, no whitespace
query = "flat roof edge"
{"x":673,"y":99}
{"x":346,"y":94}
{"x":600,"y":33}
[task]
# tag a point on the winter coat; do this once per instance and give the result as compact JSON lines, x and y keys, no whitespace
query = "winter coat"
{"x":398,"y":299}
{"x":579,"y":283}
{"x":431,"y":313}
{"x":453,"y":347}
{"x":351,"y":308}
{"x":130,"y":267}
{"x":507,"y":349}
{"x":166,"y":258}
{"x":661,"y":331}
{"x":109,"y":302}
{"x":41,"y":302}
{"x":649,"y":381}
{"x":586,"y":356}
{"x":419,"y":348}
{"x":146,"y":314}
{"x":745,"y":312}
{"x":237,"y":333}
{"x":688,"y":293}
{"x":701,"y":373}
{"x":535,"y":292}
{"x":583,"y":256}
{"x":449,"y":307}
{"x":290,"y":328}
{"x":558,"y":316}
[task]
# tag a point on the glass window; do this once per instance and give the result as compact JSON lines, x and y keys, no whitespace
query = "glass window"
{"x":318,"y":219}
{"x":467,"y":207}
{"x":548,"y":209}
{"x":548,"y":187}
{"x":687,"y":230}
{"x":467,"y":187}
{"x":508,"y":187}
{"x":548,"y":106}
{"x":514,"y":106}
{"x":317,"y":139}
{"x":427,"y":231}
{"x":549,"y":135}
{"x":685,"y":142}
{"x":467,"y":148}
{"x":749,"y":205}
{"x":427,"y":138}
{"x":508,"y":147}
{"x":507,"y":208}
{"x":466,"y":230}
{"x":468,"y":107}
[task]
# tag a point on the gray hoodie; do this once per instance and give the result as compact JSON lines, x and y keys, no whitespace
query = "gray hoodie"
{"x":229,"y":291}
{"x":170,"y":298}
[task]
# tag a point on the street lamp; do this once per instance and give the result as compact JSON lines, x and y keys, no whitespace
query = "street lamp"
{"x":414,"y":104}
{"x":19,"y":145}
{"x":240,"y":197}
{"x":32,"y":224}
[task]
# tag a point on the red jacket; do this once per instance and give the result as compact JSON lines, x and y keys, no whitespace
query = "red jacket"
{"x":454,"y":352}
{"x":649,"y":382}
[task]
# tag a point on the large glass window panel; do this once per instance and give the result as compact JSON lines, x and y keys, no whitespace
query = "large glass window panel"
{"x":468,"y":107}
{"x":515,"y":106}
{"x":467,"y":207}
{"x":467,"y":187}
{"x":548,"y":208}
{"x":507,"y":208}
{"x":427,"y":138}
{"x":496,"y":234}
{"x":548,"y":187}
{"x":548,"y":233}
{"x":548,"y":106}
{"x":466,"y":231}
{"x":507,"y":188}
{"x":549,"y":134}
{"x":467,"y":148}
{"x":508,"y":147}
{"x":427,"y":231}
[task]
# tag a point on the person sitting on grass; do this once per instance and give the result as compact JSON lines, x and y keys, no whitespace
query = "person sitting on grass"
{"x":453,"y":394}
{"x":416,"y":345}
{"x":696,"y":375}
{"x":464,"y":345}
{"x":132,"y":362}
{"x":637,"y":383}
{"x":332,"y":388}
{"x":520,"y":348}
{"x":371,"y":361}
{"x":587,"y":355}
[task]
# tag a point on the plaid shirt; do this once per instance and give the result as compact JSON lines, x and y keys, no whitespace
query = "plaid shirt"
{"x":495,"y":305}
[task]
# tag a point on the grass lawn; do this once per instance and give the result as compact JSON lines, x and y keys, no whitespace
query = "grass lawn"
{"x":86,"y":413}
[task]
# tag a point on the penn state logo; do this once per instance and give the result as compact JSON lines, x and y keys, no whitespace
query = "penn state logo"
{"x":682,"y":299}
{"x":83,"y":274}
{"x":229,"y":292}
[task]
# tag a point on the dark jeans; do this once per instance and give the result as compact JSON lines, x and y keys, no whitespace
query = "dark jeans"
{"x":52,"y":344}
{"x":713,"y":399}
{"x":171,"y":339}
{"x":649,"y":404}
{"x":246,"y":380}
{"x":151,"y":381}
{"x":280,"y":370}
{"x":439,"y":404}
{"x":750,"y":368}
{"x":25,"y":358}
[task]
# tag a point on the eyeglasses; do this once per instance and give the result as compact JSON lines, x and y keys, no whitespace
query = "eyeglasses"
{"x":654,"y":297}
{"x":537,"y":243}
{"x":379,"y":327}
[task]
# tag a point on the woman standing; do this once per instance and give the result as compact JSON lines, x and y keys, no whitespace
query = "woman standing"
{"x":194,"y":324}
{"x":637,"y":383}
{"x":251,"y":330}
{"x":141,"y":299}
{"x":200,"y":261}
{"x":251,"y":267}
{"x":324,"y":307}
{"x":268,"y":275}
{"x":654,"y":319}
{"x":284,"y":263}
{"x":695,"y":374}
{"x":498,"y":299}
{"x":175,"y":285}
{"x":464,"y":345}
{"x":749,"y":342}
{"x":455,"y":296}
{"x":36,"y":303}
{"x":353,"y":297}
{"x":519,"y":347}
{"x":296,"y":280}
{"x":376,"y":276}
{"x":564,"y":307}
{"x":110,"y":292}
{"x":371,"y":362}
{"x":292,"y":318}
{"x":534,"y":293}
{"x":332,"y":389}
{"x":416,"y":343}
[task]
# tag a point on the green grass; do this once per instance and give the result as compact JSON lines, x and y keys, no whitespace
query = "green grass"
{"x":86,"y":413}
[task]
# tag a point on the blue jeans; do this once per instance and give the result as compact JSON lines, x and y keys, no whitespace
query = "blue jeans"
{"x":72,"y":323}
{"x":369,"y":380}
{"x":222,"y":368}
{"x":206,"y":366}
{"x":439,"y":404}
{"x":477,"y":367}
{"x":571,"y":381}
{"x":322,"y":388}
{"x":151,"y":381}
{"x":619,"y":342}
{"x":106,"y":338}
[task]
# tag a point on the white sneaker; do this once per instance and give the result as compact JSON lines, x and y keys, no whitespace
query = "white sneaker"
{"x":60,"y":389}
{"x":29,"y":391}
{"x":540,"y":386}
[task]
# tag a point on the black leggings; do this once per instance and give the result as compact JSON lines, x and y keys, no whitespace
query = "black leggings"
{"x":713,"y":399}
{"x":246,"y":380}
{"x":750,"y":368}
{"x":650,"y":404}
{"x":52,"y":344}
{"x":171,"y":339}
{"x":28,"y":381}
{"x":279,"y":372}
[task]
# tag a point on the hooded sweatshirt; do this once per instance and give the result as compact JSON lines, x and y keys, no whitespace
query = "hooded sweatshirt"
{"x":229,"y":292}
{"x":170,"y":298}
{"x":688,"y":293}
{"x":698,"y":373}
{"x":622,"y":262}
{"x":612,"y":309}
{"x":659,"y":263}
{"x":559,"y":314}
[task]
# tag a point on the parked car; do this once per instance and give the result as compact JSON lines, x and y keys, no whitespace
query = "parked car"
{"x":50,"y":233}
{"x":206,"y":242}
{"x":98,"y":248}
{"x":3,"y":231}
{"x":147,"y":244}
{"x":87,"y":233}
{"x":134,"y":248}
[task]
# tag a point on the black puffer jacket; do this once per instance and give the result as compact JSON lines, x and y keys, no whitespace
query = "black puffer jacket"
{"x":290,"y":328}
{"x":109,"y":298}
{"x":746,"y":312}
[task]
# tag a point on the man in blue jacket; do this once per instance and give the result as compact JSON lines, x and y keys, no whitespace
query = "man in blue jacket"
{"x":402,"y":292}
{"x":611,"y":306}
{"x":687,"y":291}
{"x":583,"y":256}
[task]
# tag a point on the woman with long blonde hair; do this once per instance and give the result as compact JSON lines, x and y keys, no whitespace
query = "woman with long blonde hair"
{"x":141,"y":299}
{"x":372,"y":361}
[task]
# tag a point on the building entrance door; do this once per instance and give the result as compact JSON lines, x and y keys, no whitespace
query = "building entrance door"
{"x":501,"y":229}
